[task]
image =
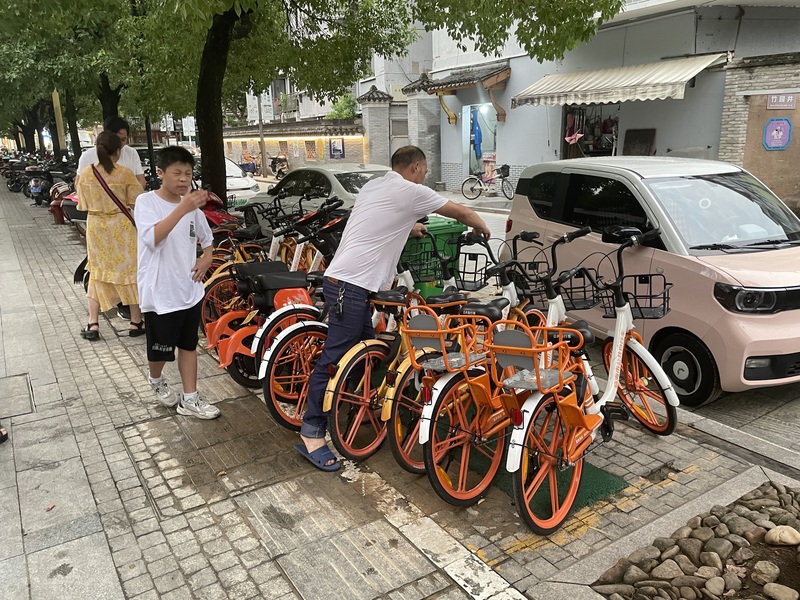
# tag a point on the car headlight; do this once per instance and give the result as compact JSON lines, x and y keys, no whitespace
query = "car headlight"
{"x":255,"y":187}
{"x":746,"y":300}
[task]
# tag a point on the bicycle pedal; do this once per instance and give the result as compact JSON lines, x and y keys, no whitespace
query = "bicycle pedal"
{"x":616,"y":410}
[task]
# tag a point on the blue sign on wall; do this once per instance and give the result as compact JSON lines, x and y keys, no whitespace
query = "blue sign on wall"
{"x":777,"y":134}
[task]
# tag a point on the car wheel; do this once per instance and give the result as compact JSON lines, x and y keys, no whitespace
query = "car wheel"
{"x":691,"y":368}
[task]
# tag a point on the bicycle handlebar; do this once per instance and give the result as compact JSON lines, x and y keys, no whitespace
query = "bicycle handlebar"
{"x":325,"y":209}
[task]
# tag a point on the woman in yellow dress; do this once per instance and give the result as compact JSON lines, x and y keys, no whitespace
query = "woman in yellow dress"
{"x":110,"y":236}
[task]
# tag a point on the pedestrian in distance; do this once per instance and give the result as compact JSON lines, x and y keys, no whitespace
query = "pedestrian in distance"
{"x":107,"y":191}
{"x":128,"y":158}
{"x":385,"y":213}
{"x":170,"y":224}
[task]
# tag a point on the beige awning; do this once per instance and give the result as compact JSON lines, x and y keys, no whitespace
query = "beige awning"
{"x":655,"y":81}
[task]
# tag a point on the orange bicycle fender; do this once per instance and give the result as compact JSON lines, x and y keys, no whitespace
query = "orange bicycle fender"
{"x":386,"y":409}
{"x":221,"y":327}
{"x":292,"y":296}
{"x":233,"y":345}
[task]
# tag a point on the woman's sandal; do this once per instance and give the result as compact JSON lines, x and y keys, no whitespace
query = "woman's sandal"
{"x":3,"y":435}
{"x":91,"y":334}
{"x":139,"y":329}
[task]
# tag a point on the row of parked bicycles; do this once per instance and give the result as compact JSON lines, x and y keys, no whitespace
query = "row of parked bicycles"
{"x":451,"y":384}
{"x":36,"y":176}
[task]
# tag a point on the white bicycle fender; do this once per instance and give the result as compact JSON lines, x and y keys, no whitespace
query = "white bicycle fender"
{"x":427,"y":410}
{"x":277,"y":314}
{"x":516,"y":443}
{"x":657,"y":370}
{"x":262,"y":370}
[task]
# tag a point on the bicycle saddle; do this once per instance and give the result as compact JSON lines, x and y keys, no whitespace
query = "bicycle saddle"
{"x":492,"y":310}
{"x":251,"y":232}
{"x":446,"y":298}
{"x":253,"y":269}
{"x":266,"y":282}
{"x":394,"y":296}
{"x":315,"y":278}
{"x":572,"y":340}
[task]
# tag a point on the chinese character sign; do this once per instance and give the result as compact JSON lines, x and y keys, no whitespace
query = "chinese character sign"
{"x":780,"y":101}
{"x":777,"y":134}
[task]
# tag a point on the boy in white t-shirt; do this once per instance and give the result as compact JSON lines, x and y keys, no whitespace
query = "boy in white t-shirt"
{"x":169,"y":226}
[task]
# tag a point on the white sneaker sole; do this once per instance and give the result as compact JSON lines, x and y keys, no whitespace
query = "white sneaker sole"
{"x":190,"y":413}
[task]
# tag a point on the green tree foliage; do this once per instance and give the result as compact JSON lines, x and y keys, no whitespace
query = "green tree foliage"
{"x":545,"y":29}
{"x":344,"y":108}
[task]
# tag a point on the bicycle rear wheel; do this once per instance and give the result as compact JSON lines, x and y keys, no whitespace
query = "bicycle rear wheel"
{"x":461,"y":462}
{"x":545,"y":486}
{"x":471,"y":188}
{"x":354,"y":421}
{"x":289,"y":366}
{"x":640,"y":391}
{"x":217,"y":300}
{"x":508,"y":190}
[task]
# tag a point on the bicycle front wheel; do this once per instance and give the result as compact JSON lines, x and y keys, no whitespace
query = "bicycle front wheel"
{"x":471,"y":188}
{"x":640,"y":391}
{"x":404,"y":422}
{"x":218,"y":299}
{"x":461,"y":461}
{"x":354,"y":421}
{"x":289,"y":366}
{"x":545,"y":485}
{"x":508,"y":190}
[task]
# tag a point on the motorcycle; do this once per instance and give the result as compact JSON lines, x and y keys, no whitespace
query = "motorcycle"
{"x":280,"y":166}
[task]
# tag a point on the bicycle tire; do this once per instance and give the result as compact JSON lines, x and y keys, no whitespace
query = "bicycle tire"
{"x":402,"y":428}
{"x":453,"y":438}
{"x":243,"y":369}
{"x":544,"y":491}
{"x":354,"y":421}
{"x":289,"y":366}
{"x":471,"y":188}
{"x":217,"y":299}
{"x":275,"y":327}
{"x":507,"y":189}
{"x":641,"y":392}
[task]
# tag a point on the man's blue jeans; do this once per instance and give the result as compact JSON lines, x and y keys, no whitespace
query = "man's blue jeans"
{"x":344,"y":331}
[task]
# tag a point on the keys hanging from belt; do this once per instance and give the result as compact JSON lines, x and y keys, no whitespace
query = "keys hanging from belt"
{"x":338,"y":307}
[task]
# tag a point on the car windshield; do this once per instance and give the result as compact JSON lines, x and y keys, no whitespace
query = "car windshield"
{"x":730,"y":209}
{"x":353,"y":182}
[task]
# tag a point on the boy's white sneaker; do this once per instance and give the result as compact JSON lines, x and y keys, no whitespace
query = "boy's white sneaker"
{"x":197,"y":408}
{"x":164,"y":394}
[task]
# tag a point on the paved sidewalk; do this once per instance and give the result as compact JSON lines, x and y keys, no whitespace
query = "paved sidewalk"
{"x":105,"y":494}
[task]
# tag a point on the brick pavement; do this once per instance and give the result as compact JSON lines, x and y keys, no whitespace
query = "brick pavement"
{"x":106,"y":494}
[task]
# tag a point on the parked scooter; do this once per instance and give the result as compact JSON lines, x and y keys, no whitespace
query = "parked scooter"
{"x":279,"y":165}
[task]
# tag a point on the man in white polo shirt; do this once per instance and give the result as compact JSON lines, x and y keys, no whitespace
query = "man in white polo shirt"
{"x":128,"y":157}
{"x":384,"y":214}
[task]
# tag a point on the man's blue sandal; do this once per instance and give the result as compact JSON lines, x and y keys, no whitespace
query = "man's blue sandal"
{"x":319,"y":457}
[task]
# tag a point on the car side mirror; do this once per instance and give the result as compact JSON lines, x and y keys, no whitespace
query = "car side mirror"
{"x":618,"y":234}
{"x":270,"y":187}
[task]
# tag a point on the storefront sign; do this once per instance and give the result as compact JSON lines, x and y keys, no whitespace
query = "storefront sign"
{"x":780,"y":101}
{"x":777,"y":134}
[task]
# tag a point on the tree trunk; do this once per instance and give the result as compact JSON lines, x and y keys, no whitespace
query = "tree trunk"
{"x":208,"y":107}
{"x":72,"y":126}
{"x":109,"y":98}
{"x":17,"y":141}
{"x":29,"y":130}
{"x":53,"y":129}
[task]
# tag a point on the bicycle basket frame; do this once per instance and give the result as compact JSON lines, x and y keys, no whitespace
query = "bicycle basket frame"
{"x":471,"y":275}
{"x":648,"y":295}
{"x":579,"y":293}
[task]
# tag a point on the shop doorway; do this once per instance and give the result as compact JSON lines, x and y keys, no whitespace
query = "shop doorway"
{"x":482,"y":154}
{"x":590,"y":130}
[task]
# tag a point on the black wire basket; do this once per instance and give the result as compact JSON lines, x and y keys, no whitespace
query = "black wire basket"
{"x":471,"y":274}
{"x":423,"y":264}
{"x":532,"y":290}
{"x":579,"y":293}
{"x":504,"y":170}
{"x":648,"y":296}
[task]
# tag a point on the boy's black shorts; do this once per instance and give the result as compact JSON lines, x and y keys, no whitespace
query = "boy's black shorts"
{"x":171,"y":330}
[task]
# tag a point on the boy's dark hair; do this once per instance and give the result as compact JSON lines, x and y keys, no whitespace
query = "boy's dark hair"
{"x":173,"y":154}
{"x":405,"y":156}
{"x":114,"y":124}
